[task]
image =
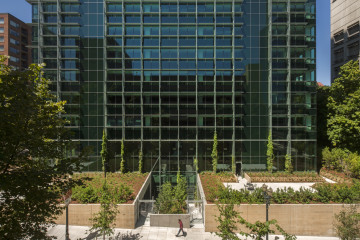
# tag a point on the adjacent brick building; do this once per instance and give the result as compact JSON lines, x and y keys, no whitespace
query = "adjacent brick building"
{"x":15,"y":37}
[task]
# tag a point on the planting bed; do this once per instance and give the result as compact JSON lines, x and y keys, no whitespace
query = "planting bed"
{"x":339,"y":177}
{"x":279,"y":177}
{"x":211,"y":181}
{"x":123,"y":187}
{"x":326,"y":193}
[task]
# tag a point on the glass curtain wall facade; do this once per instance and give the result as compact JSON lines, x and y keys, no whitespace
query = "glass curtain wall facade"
{"x":164,"y":75}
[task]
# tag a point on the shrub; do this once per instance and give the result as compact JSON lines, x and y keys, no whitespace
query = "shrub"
{"x":172,"y":200}
{"x":347,"y":223}
{"x":288,"y":164}
{"x":324,"y":193}
{"x":342,"y":160}
{"x":85,"y":194}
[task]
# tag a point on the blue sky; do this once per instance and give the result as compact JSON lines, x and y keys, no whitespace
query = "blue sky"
{"x":22,"y":10}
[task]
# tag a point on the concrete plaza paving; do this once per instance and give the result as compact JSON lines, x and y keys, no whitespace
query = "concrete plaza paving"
{"x":151,"y":233}
{"x":273,"y":185}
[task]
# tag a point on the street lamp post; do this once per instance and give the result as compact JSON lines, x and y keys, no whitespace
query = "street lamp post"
{"x":267,"y":196}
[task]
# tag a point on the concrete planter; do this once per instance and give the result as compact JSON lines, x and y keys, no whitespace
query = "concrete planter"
{"x":297,"y":219}
{"x":80,"y":214}
{"x":169,"y":220}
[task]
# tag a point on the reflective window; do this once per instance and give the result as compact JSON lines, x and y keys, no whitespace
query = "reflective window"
{"x":187,"y":30}
{"x":132,"y":42}
{"x":132,"y":7}
{"x":132,"y":30}
{"x":49,"y":7}
{"x":205,"y":7}
{"x":151,"y":53}
{"x":151,"y":19}
{"x":114,"y":19}
{"x":151,"y":41}
{"x":169,"y":53}
{"x":169,"y":7}
{"x":152,"y":30}
{"x":168,"y":41}
{"x":114,"y":41}
{"x":68,"y":7}
{"x":132,"y":53}
{"x":132,"y":19}
{"x":187,"y":53}
{"x":68,"y":30}
{"x":169,"y":30}
{"x":187,"y":7}
{"x":205,"y":31}
{"x":14,"y":33}
{"x":206,"y":53}
{"x":50,"y":18}
{"x":150,"y":7}
{"x":169,"y":19}
{"x":223,"y":7}
{"x":114,"y":7}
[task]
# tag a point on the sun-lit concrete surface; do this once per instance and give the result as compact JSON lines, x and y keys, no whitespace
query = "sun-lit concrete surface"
{"x":151,"y":233}
{"x":296,"y":186}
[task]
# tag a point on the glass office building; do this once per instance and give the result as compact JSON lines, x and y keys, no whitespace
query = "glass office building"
{"x":165,"y":75}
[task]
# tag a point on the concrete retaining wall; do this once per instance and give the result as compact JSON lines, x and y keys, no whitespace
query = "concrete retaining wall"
{"x":169,"y":220}
{"x":247,"y":178}
{"x":297,"y":219}
{"x":80,"y":214}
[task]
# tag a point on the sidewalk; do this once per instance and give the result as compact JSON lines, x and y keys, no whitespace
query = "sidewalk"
{"x":150,"y":233}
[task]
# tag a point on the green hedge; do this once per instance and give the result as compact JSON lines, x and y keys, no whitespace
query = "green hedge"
{"x":322,"y":193}
{"x":342,"y":160}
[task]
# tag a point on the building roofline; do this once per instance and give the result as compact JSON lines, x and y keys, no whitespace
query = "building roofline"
{"x":14,"y":17}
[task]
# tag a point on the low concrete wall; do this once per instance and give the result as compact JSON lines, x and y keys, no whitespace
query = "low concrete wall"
{"x":297,"y":219}
{"x":247,"y":178}
{"x":169,"y":220}
{"x":80,"y":214}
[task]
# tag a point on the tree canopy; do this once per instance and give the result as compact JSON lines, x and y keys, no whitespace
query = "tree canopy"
{"x":344,"y":108}
{"x":34,"y":171}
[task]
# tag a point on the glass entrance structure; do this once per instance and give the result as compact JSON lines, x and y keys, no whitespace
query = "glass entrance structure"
{"x":165,"y":75}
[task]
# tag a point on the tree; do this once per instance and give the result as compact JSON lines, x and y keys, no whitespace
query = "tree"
{"x":196,"y":165}
{"x":180,"y":195}
{"x":347,"y":223}
{"x":122,"y":163}
{"x":288,"y":164}
{"x":322,"y":95}
{"x":227,"y":222}
{"x":172,"y":199}
{"x":214,"y":153}
{"x":140,"y":161}
{"x":233,"y":164}
{"x":164,"y":202}
{"x":103,"y":221}
{"x":178,"y":175}
{"x":34,"y":169}
{"x":228,"y":219}
{"x":344,"y":108}
{"x":104,"y":153}
{"x":270,"y":153}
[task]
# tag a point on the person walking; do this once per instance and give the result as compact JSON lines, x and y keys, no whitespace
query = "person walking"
{"x":181,"y":228}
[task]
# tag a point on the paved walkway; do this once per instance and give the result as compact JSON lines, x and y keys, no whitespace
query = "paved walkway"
{"x":296,"y":186}
{"x":149,"y":233}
